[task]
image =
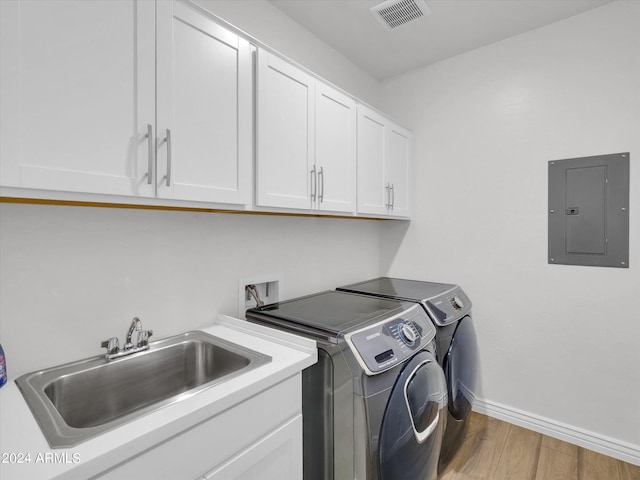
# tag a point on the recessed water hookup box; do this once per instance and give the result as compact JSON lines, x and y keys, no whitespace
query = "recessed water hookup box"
{"x":258,"y":289}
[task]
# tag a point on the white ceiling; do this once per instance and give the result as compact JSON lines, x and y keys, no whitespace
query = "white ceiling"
{"x":453,"y":27}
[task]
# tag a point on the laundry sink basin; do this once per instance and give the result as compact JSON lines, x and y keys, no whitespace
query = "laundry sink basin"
{"x":79,"y":400}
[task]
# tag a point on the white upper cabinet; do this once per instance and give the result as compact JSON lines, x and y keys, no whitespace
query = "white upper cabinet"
{"x":398,"y":169}
{"x":372,"y":194}
{"x":305,"y":140}
{"x":155,"y":102}
{"x":79,"y":99}
{"x":384,"y":154}
{"x":335,"y":151}
{"x":285,"y":134}
{"x":76,"y":95}
{"x":204,"y":109}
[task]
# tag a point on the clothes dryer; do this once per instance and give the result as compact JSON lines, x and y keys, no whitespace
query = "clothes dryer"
{"x":374,"y":406}
{"x":450,"y":311}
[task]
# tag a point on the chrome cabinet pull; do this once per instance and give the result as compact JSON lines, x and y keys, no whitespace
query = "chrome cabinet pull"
{"x":168,"y":175}
{"x":321,"y":177}
{"x":388,"y":189}
{"x":314,"y":184}
{"x":393,"y":196}
{"x":149,"y":137}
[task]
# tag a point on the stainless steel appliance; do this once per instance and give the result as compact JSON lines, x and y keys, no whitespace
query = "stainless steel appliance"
{"x":374,"y":404}
{"x":450,"y":311}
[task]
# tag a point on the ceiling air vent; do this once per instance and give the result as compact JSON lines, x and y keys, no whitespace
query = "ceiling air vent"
{"x":395,"y":13}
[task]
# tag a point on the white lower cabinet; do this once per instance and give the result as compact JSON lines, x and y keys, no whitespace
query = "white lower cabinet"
{"x":278,"y":456}
{"x":258,"y":439}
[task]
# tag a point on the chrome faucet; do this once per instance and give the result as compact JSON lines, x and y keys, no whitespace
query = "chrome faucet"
{"x":136,"y":326}
{"x":142,"y":341}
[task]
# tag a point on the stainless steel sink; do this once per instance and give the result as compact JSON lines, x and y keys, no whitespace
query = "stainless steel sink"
{"x":79,"y":400}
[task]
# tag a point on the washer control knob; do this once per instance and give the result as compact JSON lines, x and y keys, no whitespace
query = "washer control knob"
{"x":408,"y":334}
{"x":457,"y":303}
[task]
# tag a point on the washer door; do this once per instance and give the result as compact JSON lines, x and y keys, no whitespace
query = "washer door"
{"x":460,"y":369}
{"x":413,"y":422}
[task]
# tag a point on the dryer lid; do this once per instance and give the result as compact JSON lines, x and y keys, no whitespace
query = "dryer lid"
{"x":445,"y":303}
{"x":399,"y":288}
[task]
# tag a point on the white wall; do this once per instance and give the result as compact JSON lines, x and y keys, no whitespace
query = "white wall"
{"x":556,"y":342}
{"x":73,"y":276}
{"x":266,"y":23}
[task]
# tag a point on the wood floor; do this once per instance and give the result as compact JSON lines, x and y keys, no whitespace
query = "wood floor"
{"x":496,"y":450}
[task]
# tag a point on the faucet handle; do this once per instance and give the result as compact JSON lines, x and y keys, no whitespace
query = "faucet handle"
{"x":112,"y":345}
{"x":143,"y":337}
{"x":136,"y":326}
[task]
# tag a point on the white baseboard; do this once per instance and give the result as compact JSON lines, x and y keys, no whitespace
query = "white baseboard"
{"x":606,"y":445}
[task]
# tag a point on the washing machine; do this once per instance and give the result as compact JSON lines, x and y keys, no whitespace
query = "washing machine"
{"x":374,"y":406}
{"x":450,"y":311}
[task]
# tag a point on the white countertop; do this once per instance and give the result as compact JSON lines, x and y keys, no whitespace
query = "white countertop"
{"x":21,"y":439}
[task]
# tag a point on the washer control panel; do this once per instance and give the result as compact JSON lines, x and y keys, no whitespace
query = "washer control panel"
{"x":408,"y":333}
{"x":381,"y":346}
{"x":448,"y":307}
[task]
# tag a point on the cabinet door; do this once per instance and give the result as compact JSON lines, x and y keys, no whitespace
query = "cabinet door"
{"x":373,"y":194}
{"x":285,"y":130}
{"x":215,"y":441}
{"x":278,"y":456}
{"x":335,"y":150}
{"x":204,"y":147}
{"x":397,"y":169}
{"x":77,"y":95}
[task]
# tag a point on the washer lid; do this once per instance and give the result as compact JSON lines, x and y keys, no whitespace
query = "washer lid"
{"x":331,"y":313}
{"x":380,"y":333}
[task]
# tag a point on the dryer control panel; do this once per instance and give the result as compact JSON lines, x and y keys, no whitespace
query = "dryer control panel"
{"x":383,"y":345}
{"x":449,"y":307}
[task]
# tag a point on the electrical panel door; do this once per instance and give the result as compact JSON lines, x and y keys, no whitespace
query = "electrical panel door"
{"x":589,"y":211}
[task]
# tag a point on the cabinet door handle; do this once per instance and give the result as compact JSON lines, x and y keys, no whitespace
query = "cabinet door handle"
{"x":321,"y":177}
{"x":393,"y":196}
{"x":168,"y":175}
{"x":314,"y":184}
{"x":149,"y":137}
{"x":388,"y":189}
